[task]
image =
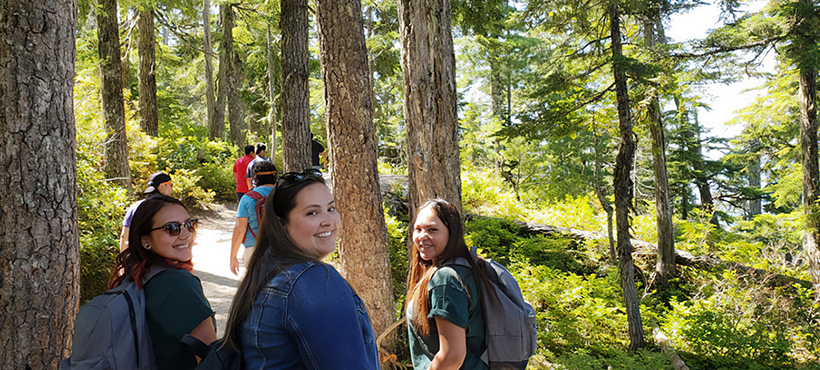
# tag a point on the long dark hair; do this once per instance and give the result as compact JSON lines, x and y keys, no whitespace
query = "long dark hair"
{"x":274,"y":252}
{"x":420,"y":271}
{"x":135,"y":260}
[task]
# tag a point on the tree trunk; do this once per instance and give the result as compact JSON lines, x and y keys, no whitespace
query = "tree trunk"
{"x":116,"y":144}
{"x":430,"y":107}
{"x":272,"y":97}
{"x":39,"y":237}
{"x":363,"y":250}
{"x":701,"y":178}
{"x":296,"y":150}
{"x":214,"y":130}
{"x":665,"y":264}
{"x":811,"y":174}
{"x":623,"y":185}
{"x":224,"y":70}
{"x":602,"y":197}
{"x":233,"y":79}
{"x":147,"y":73}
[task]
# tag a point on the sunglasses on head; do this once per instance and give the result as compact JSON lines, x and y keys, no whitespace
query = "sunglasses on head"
{"x":174,"y":228}
{"x":293,"y":177}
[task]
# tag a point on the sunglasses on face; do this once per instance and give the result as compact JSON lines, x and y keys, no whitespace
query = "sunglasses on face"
{"x":294,"y":177}
{"x":174,"y":228}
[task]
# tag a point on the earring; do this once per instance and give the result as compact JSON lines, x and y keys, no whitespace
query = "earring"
{"x":147,"y":246}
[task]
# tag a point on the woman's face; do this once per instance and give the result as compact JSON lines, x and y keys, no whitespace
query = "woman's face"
{"x":162,"y":242}
{"x":314,"y":223}
{"x":430,"y":235}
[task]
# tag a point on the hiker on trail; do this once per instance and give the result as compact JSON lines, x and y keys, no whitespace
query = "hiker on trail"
{"x":291,"y":310}
{"x":158,"y":183}
{"x":261,"y":150}
{"x":162,"y":235}
{"x":317,"y":150}
{"x":246,"y":228}
{"x":444,"y":323}
{"x":240,"y":166}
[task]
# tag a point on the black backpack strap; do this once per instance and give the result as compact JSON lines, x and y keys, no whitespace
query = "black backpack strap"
{"x":133,"y":316}
{"x":197,"y":347}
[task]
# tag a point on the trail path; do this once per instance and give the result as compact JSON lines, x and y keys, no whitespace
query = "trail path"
{"x":211,"y":251}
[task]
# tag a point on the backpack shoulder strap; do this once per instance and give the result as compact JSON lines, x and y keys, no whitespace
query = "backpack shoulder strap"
{"x":256,"y":197}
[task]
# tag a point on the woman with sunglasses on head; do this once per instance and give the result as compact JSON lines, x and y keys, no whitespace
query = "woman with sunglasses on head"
{"x":291,"y":310}
{"x":159,"y":251}
{"x":444,"y":313}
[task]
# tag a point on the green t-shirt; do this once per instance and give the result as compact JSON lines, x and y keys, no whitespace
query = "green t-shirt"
{"x":449,"y":301}
{"x":174,"y":306}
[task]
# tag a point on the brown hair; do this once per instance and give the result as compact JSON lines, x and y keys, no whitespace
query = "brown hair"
{"x":420,"y":271}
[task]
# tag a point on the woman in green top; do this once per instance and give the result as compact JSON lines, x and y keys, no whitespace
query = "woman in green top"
{"x":162,"y":235}
{"x":444,"y":314}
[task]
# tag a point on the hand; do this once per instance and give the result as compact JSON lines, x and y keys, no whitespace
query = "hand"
{"x":235,"y":266}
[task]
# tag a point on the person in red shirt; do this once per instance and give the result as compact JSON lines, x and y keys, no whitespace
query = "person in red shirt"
{"x":239,"y":169}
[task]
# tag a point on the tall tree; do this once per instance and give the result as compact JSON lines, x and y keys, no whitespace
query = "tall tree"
{"x":231,"y":79}
{"x":295,"y":95}
{"x":665,"y":264}
{"x":271,"y":95}
{"x":116,"y":144}
{"x":214,"y":129}
{"x":225,"y":65}
{"x":430,"y":107}
{"x":623,"y":185}
{"x":39,"y":238}
{"x":363,"y":248}
{"x":149,"y":121}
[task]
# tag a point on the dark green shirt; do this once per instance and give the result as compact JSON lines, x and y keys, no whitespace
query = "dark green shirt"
{"x":448,"y":300}
{"x":174,"y":306}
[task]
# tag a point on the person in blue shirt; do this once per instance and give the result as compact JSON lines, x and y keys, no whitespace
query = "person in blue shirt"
{"x":247,"y":223}
{"x":291,"y":310}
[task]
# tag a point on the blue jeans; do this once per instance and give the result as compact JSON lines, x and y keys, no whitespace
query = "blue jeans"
{"x":308,"y":317}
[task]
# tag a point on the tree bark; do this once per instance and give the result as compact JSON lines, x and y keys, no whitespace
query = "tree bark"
{"x":272,"y":97}
{"x":602,"y":197}
{"x":753,"y":169}
{"x":296,"y":145}
{"x":811,"y":173}
{"x":147,"y":73}
{"x":214,"y":130}
{"x":430,"y":108}
{"x":665,"y":264}
{"x":233,"y":79}
{"x":39,"y":238}
{"x":223,"y":84}
{"x":623,"y":187}
{"x":363,"y":249}
{"x":116,"y":144}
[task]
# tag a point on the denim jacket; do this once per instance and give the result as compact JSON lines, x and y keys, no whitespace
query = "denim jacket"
{"x":308,"y":317}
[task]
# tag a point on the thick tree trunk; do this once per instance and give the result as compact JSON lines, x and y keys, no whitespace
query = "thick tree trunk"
{"x":363,"y":251}
{"x":623,"y":188}
{"x":430,"y":107}
{"x":233,"y":79}
{"x":116,"y":144}
{"x":296,"y":150}
{"x":39,"y":238}
{"x":665,"y":265}
{"x":811,"y":173}
{"x":210,"y":98}
{"x":271,"y":96}
{"x":147,"y":73}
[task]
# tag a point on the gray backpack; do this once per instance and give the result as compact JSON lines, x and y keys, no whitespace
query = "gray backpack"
{"x":509,"y":322}
{"x":111,"y":331}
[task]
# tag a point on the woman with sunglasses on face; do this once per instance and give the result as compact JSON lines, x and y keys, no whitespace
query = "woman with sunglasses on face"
{"x":291,"y":310}
{"x":162,"y":235}
{"x":444,"y":312}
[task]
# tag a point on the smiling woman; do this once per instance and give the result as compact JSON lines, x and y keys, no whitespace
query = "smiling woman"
{"x":291,"y":310}
{"x":160,"y":242}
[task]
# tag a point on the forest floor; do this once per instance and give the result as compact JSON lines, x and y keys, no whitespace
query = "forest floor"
{"x":213,"y":247}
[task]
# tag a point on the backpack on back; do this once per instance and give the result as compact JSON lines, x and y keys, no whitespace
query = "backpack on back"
{"x":111,"y":331}
{"x":509,"y":321}
{"x":260,"y":208}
